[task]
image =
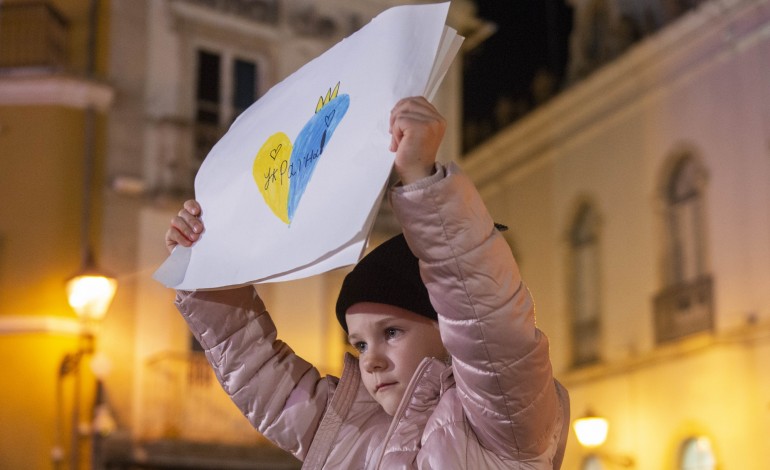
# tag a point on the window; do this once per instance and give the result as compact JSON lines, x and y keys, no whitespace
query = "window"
{"x":208,"y":90}
{"x":586,"y":325}
{"x":684,"y":306}
{"x":592,"y":462}
{"x":244,"y":85}
{"x":684,"y":201}
{"x":697,"y":454}
{"x":225,"y":86}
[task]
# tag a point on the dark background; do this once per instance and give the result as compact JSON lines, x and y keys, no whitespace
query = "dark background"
{"x":531,"y":35}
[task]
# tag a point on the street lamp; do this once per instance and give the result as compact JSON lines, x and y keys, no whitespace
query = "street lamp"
{"x":90,"y":294}
{"x":591,"y":431}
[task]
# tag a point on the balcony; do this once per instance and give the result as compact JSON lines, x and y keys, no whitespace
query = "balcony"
{"x":261,"y":11}
{"x":205,"y":136}
{"x":684,"y":309}
{"x":586,"y":336}
{"x":189,"y":422}
{"x":35,"y":68}
{"x":183,"y":400}
{"x":122,"y":454}
{"x":33,"y":37}
{"x":177,"y":147}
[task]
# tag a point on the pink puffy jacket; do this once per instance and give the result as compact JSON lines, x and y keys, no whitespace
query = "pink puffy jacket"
{"x":496,"y":406}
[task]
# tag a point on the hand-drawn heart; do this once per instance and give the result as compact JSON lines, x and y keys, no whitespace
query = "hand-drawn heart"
{"x":282,"y":171}
{"x":270,"y":169}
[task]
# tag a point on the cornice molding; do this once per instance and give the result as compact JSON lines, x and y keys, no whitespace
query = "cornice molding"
{"x":748,"y":338}
{"x":704,"y":35}
{"x":30,"y":324}
{"x":55,"y":90}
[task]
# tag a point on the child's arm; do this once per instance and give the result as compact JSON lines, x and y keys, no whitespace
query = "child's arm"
{"x":486,"y":315}
{"x":282,"y":395}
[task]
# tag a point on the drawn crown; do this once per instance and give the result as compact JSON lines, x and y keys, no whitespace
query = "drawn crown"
{"x":330,"y":95}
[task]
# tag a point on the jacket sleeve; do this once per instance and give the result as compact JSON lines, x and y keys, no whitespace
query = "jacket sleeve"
{"x":282,"y":395}
{"x":486,"y":315}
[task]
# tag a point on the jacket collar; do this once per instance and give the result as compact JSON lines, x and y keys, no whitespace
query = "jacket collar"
{"x":429,"y":382}
{"x":421,"y":396}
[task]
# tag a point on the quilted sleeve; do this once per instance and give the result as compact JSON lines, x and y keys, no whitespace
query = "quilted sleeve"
{"x":282,"y":395}
{"x":486,"y":315}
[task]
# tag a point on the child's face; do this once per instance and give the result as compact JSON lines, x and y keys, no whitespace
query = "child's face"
{"x":391,"y":343}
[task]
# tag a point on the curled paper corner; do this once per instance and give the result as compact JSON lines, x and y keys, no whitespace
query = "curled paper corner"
{"x":172,"y":272}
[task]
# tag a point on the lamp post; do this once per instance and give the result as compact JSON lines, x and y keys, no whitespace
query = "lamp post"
{"x":89,"y":294}
{"x":591,"y":431}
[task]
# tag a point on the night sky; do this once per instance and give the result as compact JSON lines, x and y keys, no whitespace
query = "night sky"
{"x":531,"y":34}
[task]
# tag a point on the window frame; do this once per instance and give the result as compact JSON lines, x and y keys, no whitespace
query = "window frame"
{"x":584,"y":242}
{"x":202,"y":135}
{"x":685,"y":225}
{"x":684,"y":304}
{"x":694,"y":444}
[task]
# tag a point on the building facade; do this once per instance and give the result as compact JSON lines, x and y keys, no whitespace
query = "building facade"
{"x":637,"y":199}
{"x":638,"y":203}
{"x":53,"y":105}
{"x":145,"y":96}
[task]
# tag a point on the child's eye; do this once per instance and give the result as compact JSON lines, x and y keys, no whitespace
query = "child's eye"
{"x":391,"y":333}
{"x":360,"y":346}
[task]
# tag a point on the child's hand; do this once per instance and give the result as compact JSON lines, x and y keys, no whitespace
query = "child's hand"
{"x":416,"y":129}
{"x":186,"y":227}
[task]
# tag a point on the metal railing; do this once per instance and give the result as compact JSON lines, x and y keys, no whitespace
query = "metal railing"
{"x":205,"y":136}
{"x":33,"y":35}
{"x":684,"y":309}
{"x":585,"y":347}
{"x":183,"y":401}
{"x":262,"y":11}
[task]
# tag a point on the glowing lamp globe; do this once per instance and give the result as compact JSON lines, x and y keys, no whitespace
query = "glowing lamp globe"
{"x":90,"y":295}
{"x":591,"y":430}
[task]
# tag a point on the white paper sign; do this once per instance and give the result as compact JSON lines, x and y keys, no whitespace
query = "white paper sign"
{"x":293,"y":188}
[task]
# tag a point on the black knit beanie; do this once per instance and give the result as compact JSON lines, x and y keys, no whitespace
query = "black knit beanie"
{"x":390,"y":275}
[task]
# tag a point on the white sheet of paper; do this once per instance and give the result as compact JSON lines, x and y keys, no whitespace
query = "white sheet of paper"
{"x":448,"y":48}
{"x":292,"y":190}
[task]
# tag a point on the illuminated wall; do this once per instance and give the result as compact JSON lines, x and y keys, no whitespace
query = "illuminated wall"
{"x":43,"y":95}
{"x":697,"y":88}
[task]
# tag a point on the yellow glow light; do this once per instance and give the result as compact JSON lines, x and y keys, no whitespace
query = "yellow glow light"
{"x":90,"y":295}
{"x":591,"y":431}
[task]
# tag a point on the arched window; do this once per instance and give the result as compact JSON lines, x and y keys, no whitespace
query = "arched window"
{"x":586,"y":325}
{"x":684,"y":305}
{"x":684,"y":207}
{"x":697,"y":454}
{"x":592,"y":462}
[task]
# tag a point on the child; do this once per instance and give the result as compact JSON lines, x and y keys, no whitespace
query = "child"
{"x":451,"y":370}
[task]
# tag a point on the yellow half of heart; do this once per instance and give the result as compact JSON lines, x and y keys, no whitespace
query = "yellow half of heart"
{"x":271,"y":173}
